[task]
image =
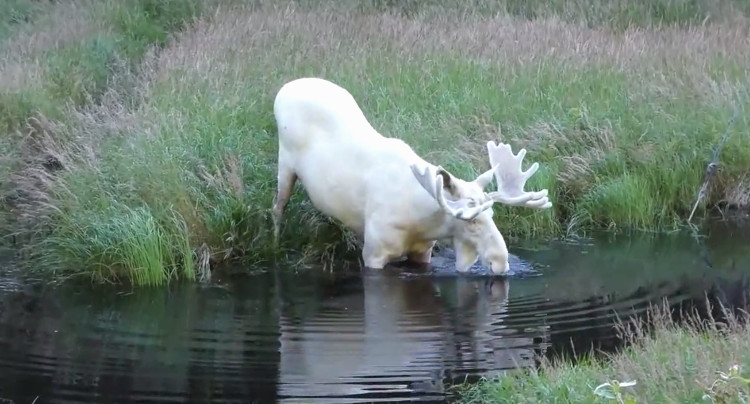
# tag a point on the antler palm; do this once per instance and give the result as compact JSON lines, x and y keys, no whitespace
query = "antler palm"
{"x":511,"y":178}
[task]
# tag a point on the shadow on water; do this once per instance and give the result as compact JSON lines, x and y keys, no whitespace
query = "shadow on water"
{"x":355,"y":336}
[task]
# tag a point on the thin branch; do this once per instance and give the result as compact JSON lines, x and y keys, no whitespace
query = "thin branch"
{"x":713,"y":166}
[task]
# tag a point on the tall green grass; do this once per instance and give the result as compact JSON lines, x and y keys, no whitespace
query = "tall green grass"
{"x":120,"y":244}
{"x":172,"y":164}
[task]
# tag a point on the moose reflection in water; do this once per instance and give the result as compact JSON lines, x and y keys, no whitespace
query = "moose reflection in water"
{"x":407,"y":335}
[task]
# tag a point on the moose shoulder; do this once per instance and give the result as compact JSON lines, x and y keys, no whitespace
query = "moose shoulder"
{"x":398,"y":203}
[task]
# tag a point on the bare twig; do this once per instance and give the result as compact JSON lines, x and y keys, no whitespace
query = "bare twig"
{"x":713,"y":166}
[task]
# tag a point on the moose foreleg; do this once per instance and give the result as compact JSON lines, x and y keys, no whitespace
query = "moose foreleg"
{"x":381,"y":246}
{"x":374,"y":257}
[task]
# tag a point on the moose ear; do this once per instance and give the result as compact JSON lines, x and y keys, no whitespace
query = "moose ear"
{"x":448,"y":182}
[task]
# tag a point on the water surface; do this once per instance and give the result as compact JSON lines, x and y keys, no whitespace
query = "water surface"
{"x":374,"y":336}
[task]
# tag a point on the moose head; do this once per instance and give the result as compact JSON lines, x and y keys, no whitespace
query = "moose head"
{"x":468,"y":208}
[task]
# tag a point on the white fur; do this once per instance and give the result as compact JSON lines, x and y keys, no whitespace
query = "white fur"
{"x":381,"y":189}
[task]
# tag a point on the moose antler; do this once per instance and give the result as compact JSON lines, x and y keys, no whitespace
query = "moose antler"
{"x":432,"y":182}
{"x":511,"y":179}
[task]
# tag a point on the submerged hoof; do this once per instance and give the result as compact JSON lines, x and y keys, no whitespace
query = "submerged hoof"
{"x":444,"y":264}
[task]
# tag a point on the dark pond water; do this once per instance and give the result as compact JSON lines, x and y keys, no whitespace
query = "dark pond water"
{"x":311,"y":337}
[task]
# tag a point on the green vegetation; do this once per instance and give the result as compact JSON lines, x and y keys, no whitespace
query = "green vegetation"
{"x":165,"y":149}
{"x":701,"y":361}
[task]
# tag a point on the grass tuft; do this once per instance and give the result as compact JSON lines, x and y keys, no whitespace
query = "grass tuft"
{"x":122,"y":241}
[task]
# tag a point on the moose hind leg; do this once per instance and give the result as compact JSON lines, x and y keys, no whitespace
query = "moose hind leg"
{"x":286,"y":179}
{"x":421,"y":258}
{"x":422,"y":255}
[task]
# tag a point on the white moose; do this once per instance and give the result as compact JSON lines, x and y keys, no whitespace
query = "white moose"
{"x":381,"y":189}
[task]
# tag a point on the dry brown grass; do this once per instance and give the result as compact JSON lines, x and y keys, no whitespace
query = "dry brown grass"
{"x":242,"y":34}
{"x":677,"y":348}
{"x":49,"y":146}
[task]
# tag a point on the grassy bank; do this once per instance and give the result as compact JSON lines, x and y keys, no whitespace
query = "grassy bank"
{"x":171,"y":167}
{"x":672,"y":363}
